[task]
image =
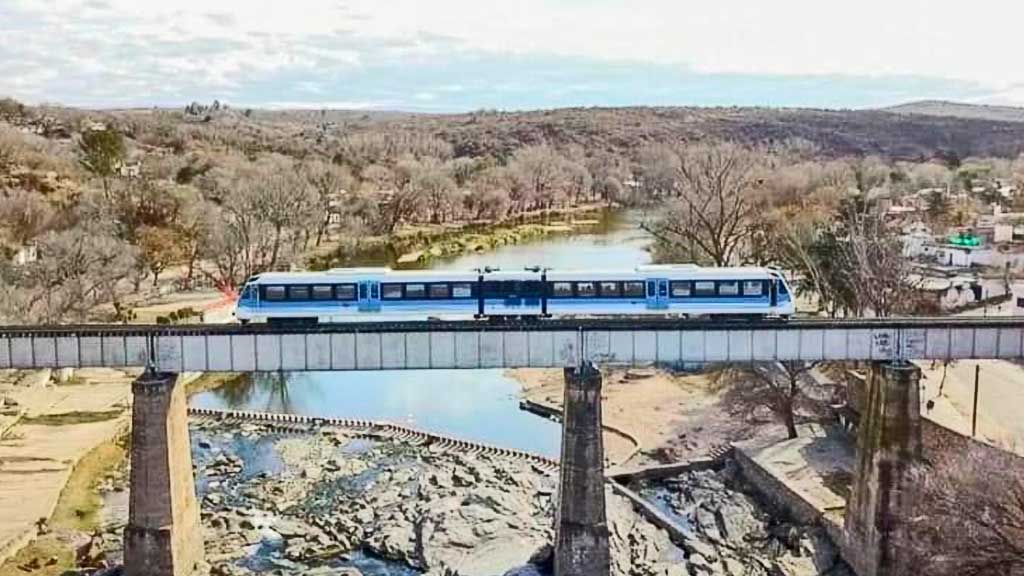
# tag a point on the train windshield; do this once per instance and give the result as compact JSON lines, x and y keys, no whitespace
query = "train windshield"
{"x":249,"y":290}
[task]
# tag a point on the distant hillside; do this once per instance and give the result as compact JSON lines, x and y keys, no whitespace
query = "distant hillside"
{"x":960,"y":110}
{"x":625,"y":130}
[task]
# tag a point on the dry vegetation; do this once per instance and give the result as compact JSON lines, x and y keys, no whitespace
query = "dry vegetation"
{"x":115,"y":201}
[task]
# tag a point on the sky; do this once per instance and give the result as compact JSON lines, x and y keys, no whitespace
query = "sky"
{"x":459,"y":55}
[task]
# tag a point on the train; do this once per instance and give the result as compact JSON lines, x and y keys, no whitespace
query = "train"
{"x":382,"y":294}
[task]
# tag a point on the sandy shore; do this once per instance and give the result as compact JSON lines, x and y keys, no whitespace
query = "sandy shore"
{"x":60,"y":423}
{"x":653,"y":415}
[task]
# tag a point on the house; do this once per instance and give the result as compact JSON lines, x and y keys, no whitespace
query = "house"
{"x":26,"y":255}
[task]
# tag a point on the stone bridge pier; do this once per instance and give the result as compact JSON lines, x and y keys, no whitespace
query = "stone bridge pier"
{"x":581,"y":527}
{"x":163,"y":536}
{"x":889,"y":443}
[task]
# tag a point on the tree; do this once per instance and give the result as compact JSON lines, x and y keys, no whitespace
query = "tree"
{"x":437,"y":189}
{"x":330,"y":182}
{"x":541,"y":172}
{"x":12,"y":149}
{"x":968,"y":516}
{"x":781,"y":387}
{"x":77,"y":270}
{"x":284,"y":201}
{"x":191,"y":228}
{"x":101,"y":152}
{"x":23,"y":215}
{"x":659,"y":168}
{"x":717,"y":199}
{"x":489,"y":194}
{"x":158,"y":249}
{"x":871,"y":254}
{"x":402,"y":199}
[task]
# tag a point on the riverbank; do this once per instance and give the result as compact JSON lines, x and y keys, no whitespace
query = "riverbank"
{"x":654,"y":416}
{"x":45,"y":469}
{"x":420,"y":246}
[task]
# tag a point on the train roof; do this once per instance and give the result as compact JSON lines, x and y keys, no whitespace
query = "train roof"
{"x":670,"y":271}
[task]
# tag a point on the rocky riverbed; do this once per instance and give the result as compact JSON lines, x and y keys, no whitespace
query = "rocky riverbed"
{"x":327,"y":502}
{"x":726,"y":531}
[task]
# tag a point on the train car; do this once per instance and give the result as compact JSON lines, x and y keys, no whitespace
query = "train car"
{"x":382,"y":294}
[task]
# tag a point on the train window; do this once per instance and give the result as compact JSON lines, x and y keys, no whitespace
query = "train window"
{"x":704,"y":288}
{"x":782,"y":288}
{"x":633,"y":289}
{"x":728,"y":288}
{"x":531,"y":289}
{"x":586,"y":290}
{"x":392,"y":291}
{"x":462,"y":290}
{"x":348,"y":291}
{"x":561,"y":289}
{"x":298,"y":292}
{"x":415,"y":290}
{"x":651,"y":288}
{"x":610,"y":289}
{"x":663,"y":289}
{"x":322,"y":292}
{"x":374,"y":291}
{"x":274,"y":293}
{"x":439,"y":291}
{"x":680,"y":289}
{"x":753,"y":288}
{"x":362,"y":291}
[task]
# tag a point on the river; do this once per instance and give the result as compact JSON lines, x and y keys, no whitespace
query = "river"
{"x":476,"y":405}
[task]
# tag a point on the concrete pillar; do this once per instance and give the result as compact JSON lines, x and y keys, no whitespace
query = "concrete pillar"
{"x":889,"y":443}
{"x":162,"y":537}
{"x":581,"y":530}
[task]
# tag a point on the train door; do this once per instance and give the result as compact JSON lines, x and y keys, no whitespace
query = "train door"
{"x":369,"y":296}
{"x":657,"y":293}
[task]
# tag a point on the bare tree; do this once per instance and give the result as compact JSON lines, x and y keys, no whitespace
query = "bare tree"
{"x":489,"y":194}
{"x":542,"y":176}
{"x":437,"y":189}
{"x":23,"y":215}
{"x":717,"y":199}
{"x":781,"y":387}
{"x":12,"y":148}
{"x":968,"y":516}
{"x":658,"y":171}
{"x":330,"y":182}
{"x":77,"y":270}
{"x":871,"y":254}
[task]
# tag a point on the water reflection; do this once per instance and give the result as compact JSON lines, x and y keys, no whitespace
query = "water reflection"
{"x":478,"y":405}
{"x":262,"y":391}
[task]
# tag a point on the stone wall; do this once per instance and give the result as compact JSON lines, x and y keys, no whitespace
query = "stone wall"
{"x":775,"y":492}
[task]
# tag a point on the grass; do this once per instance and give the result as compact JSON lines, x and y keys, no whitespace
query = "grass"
{"x":69,"y":418}
{"x":79,"y":503}
{"x":77,"y":511}
{"x":43,"y":550}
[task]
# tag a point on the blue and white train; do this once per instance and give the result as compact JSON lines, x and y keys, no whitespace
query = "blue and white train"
{"x":372,"y":294}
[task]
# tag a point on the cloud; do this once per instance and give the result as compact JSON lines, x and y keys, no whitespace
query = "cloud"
{"x":460,"y":54}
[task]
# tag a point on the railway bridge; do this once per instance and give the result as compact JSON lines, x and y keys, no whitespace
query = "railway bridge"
{"x":163,"y":537}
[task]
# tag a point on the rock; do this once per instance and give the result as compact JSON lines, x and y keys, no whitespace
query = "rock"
{"x":738,"y":521}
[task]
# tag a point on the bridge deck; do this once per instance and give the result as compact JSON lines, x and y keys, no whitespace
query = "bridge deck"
{"x":481,"y":344}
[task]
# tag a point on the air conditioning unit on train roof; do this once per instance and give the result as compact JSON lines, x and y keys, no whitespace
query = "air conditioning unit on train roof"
{"x":665,"y":267}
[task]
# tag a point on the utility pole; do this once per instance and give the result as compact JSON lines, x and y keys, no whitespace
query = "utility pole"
{"x":974,"y":416}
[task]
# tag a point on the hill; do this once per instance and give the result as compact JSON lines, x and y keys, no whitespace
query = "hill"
{"x":960,"y":110}
{"x":623,"y":131}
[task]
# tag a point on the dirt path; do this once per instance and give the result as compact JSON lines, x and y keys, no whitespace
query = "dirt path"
{"x":60,"y":424}
{"x":670,"y":417}
{"x":1000,"y":399}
